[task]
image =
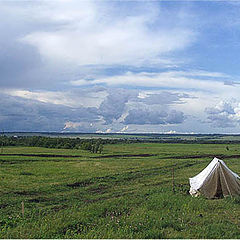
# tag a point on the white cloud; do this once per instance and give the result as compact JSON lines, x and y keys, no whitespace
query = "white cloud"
{"x":82,"y":126}
{"x":109,"y":130}
{"x":225,"y":114}
{"x":124,"y":129}
{"x":191,"y":80}
{"x":72,"y":125}
{"x":171,"y":132}
{"x":74,"y":98}
{"x":91,"y":33}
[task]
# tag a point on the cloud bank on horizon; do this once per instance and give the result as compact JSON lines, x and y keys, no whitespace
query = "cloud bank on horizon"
{"x":120,"y":66}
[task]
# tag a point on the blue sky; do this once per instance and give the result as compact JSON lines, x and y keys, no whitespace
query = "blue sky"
{"x":120,"y":66}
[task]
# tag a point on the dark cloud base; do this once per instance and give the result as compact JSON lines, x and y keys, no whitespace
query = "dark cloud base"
{"x":21,"y":114}
{"x":141,"y":117}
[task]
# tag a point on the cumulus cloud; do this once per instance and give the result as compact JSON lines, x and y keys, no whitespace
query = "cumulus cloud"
{"x":225,"y":114}
{"x":116,"y":109}
{"x":114,"y":105}
{"x":100,"y":108}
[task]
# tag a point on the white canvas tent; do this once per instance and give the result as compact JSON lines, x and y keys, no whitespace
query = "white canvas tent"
{"x":215,"y":180}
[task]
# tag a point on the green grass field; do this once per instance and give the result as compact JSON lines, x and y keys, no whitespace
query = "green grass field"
{"x":122,"y":193}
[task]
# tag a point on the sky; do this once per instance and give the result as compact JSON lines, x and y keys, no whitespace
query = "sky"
{"x":120,"y":66}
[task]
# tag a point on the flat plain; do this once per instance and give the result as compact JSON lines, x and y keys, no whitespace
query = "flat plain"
{"x":125,"y":192}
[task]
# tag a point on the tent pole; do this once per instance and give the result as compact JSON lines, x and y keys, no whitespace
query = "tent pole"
{"x":23,"y":209}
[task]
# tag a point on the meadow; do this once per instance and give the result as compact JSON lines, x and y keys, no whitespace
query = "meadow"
{"x":124,"y":192}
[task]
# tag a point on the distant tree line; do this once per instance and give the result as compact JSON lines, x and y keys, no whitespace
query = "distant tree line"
{"x":94,"y":145}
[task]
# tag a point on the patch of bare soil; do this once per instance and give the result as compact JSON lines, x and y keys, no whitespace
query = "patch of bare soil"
{"x":40,"y":199}
{"x":26,"y":193}
{"x":59,"y":207}
{"x":80,"y":184}
{"x":97,"y":190}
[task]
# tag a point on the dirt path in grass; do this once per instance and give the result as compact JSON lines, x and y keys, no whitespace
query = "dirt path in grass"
{"x":125,"y":155}
{"x":221,"y":156}
{"x":75,"y":156}
{"x":39,"y":155}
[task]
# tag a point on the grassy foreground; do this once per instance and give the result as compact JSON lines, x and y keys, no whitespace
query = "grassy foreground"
{"x":126,"y":192}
